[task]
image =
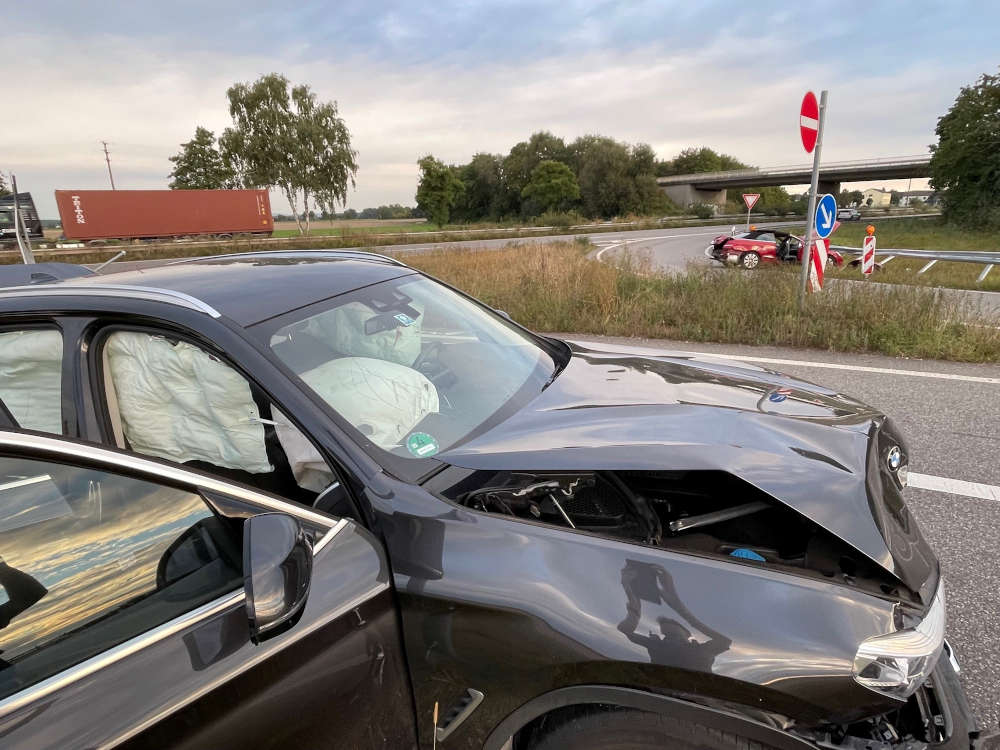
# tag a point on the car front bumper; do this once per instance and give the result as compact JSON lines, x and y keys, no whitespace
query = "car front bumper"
{"x":940,"y":704}
{"x":721,"y":255}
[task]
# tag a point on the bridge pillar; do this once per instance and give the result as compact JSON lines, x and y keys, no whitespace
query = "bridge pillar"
{"x":828,"y":186}
{"x":689,"y":195}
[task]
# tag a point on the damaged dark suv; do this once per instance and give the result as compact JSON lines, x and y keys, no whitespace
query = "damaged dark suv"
{"x":320,"y":499}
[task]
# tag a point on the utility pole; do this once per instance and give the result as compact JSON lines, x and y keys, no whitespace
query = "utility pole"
{"x":24,"y":245}
{"x":107,"y":158}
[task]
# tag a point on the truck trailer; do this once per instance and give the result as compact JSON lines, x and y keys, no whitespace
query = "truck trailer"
{"x":96,"y":216}
{"x":31,"y":225}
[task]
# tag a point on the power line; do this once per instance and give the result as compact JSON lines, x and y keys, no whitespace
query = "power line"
{"x":107,"y":158}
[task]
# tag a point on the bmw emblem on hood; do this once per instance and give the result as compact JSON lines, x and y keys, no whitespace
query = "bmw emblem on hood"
{"x":895,"y":458}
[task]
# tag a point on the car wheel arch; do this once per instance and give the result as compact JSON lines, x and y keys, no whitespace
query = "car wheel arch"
{"x":613,"y":696}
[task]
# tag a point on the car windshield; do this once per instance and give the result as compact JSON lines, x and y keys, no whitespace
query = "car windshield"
{"x":413,"y":366}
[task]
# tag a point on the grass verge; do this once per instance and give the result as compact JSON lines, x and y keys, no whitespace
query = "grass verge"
{"x":555,"y":287}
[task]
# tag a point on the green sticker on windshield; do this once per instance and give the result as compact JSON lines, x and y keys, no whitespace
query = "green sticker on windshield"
{"x":421,"y":445}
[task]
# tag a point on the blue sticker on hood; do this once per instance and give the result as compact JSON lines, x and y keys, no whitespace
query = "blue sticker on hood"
{"x":746,"y":554}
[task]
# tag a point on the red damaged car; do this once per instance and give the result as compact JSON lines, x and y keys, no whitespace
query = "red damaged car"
{"x":750,"y":249}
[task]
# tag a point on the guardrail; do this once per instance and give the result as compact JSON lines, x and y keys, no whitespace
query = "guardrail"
{"x":985,"y":257}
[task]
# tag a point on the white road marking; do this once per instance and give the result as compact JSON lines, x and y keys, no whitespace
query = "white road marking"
{"x":954,"y":486}
{"x":609,"y":247}
{"x":633,"y":240}
{"x":855,"y":368}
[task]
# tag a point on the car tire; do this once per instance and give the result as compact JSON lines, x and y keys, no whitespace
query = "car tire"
{"x":628,"y":729}
{"x":750,"y":260}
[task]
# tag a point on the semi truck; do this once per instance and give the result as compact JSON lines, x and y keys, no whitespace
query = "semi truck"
{"x":31,"y":225}
{"x":97,"y":216}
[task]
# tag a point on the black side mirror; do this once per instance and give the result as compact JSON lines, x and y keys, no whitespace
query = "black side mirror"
{"x":277,"y":567}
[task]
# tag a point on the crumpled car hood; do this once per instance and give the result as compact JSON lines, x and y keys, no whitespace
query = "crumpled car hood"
{"x":804,"y":445}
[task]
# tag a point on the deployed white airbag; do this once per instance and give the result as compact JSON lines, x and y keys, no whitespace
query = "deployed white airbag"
{"x":31,"y":378}
{"x":343,"y":328}
{"x":308,"y":467}
{"x":384,"y":400}
{"x":180,"y":403}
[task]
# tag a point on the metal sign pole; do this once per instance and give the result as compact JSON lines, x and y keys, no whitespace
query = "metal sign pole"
{"x":26,"y":255}
{"x":811,"y":212}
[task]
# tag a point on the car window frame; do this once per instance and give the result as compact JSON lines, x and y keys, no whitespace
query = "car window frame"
{"x":224,"y":497}
{"x":102,"y":329}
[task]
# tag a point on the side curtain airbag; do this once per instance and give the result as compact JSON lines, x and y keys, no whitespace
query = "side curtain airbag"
{"x":31,"y":378}
{"x":180,"y":403}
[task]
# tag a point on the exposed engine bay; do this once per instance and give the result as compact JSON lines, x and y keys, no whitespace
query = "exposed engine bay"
{"x":709,"y":513}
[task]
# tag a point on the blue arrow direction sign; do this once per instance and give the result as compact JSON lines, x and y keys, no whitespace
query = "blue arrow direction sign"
{"x":826,"y":216}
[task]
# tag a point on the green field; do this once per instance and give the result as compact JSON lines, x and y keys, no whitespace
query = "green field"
{"x":323,"y":229}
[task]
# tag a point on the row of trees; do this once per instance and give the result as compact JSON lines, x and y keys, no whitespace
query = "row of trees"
{"x":595,"y":175}
{"x":282,"y":137}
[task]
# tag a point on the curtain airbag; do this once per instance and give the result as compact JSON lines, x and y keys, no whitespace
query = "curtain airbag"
{"x":180,"y":403}
{"x":31,"y":378}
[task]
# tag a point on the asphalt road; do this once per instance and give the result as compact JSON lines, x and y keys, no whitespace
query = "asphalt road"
{"x":950,"y":415}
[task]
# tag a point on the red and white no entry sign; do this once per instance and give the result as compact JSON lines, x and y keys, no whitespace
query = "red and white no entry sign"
{"x":868,"y":256}
{"x":750,"y":199}
{"x":809,"y":121}
{"x":818,"y":264}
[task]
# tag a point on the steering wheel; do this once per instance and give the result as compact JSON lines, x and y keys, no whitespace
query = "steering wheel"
{"x":429,"y":354}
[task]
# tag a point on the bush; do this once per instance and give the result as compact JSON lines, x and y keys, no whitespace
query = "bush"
{"x":703,"y":210}
{"x":560,"y":219}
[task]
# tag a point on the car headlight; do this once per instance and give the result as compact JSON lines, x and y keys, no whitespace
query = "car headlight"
{"x":897,"y":663}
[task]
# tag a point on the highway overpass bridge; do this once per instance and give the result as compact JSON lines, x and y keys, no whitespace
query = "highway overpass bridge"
{"x":710,"y":187}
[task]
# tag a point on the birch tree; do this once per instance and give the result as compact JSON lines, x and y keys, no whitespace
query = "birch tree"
{"x":284,"y":137}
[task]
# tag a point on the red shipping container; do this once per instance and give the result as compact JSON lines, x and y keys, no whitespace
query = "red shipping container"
{"x":126,"y":214}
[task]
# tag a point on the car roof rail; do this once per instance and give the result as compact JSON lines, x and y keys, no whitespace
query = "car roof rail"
{"x":153,"y":294}
{"x":359,"y":254}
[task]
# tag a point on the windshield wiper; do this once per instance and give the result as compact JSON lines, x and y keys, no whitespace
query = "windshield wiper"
{"x":558,"y":368}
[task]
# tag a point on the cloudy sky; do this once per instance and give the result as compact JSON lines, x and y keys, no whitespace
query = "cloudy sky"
{"x":454,"y":77}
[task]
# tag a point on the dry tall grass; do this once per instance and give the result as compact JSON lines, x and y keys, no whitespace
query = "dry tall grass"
{"x":556,"y":287}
